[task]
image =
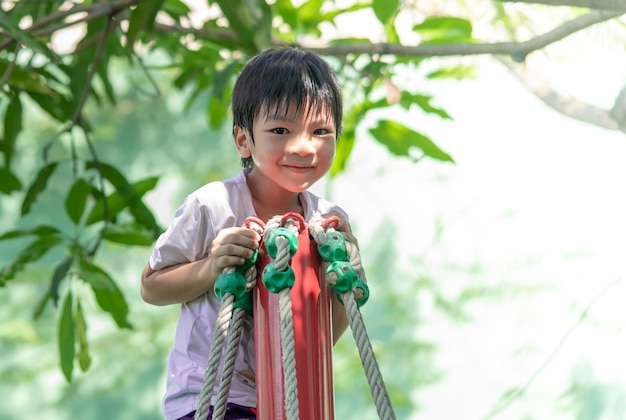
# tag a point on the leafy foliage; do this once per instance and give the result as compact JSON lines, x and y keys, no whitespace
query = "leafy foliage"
{"x":68,"y":88}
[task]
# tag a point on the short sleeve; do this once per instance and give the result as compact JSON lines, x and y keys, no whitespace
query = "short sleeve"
{"x":186,"y":239}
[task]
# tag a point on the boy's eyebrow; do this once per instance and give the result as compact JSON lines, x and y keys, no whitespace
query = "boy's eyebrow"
{"x":292,"y":117}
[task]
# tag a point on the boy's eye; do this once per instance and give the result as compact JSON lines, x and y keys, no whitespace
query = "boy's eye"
{"x":321,"y":132}
{"x":280,"y":130}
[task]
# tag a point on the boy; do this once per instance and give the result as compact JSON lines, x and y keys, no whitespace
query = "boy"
{"x":287,"y":111}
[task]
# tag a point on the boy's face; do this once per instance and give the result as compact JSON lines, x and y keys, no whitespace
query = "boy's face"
{"x":291,"y":149}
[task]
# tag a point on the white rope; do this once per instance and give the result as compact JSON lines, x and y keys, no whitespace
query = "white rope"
{"x":355,"y":318}
{"x":287,"y":340}
{"x":368,"y":359}
{"x":232,"y":347}
{"x":217,"y":349}
{"x":219,"y":408}
{"x":215,"y":355}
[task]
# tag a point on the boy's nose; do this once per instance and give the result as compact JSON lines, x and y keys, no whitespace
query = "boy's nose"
{"x":301,"y":145}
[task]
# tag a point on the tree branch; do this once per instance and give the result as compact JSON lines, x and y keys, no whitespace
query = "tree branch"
{"x":93,"y":11}
{"x":517,"y":50}
{"x":591,"y":4}
{"x":567,"y":106}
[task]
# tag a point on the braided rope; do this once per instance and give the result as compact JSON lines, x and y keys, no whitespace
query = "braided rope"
{"x":215,"y":355}
{"x":357,"y":325}
{"x":236,"y":328}
{"x":368,"y":359}
{"x":287,"y":340}
{"x":232,"y":347}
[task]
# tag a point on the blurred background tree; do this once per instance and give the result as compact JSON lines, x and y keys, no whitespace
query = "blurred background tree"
{"x":103,"y":101}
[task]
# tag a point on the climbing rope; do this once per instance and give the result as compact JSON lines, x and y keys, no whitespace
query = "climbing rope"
{"x":234,"y":338}
{"x":281,"y":243}
{"x":236,"y":301}
{"x":346,"y":276}
{"x":215,"y":355}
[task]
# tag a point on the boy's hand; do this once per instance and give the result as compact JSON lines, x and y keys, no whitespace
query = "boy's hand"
{"x":231,"y":247}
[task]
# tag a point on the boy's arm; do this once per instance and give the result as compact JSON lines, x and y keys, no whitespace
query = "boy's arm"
{"x":339,"y":317}
{"x":178,"y":283}
{"x":184,"y":282}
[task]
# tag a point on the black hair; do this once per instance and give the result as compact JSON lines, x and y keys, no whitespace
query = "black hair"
{"x":277,"y":78}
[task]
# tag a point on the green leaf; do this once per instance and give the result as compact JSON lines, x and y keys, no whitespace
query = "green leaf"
{"x":142,"y":19}
{"x":251,"y":20}
{"x":37,"y":186}
{"x":310,"y":10}
{"x":423,"y":101}
{"x":345,"y":143}
{"x":334,"y":12}
{"x":31,"y":253}
{"x":33,"y":80}
{"x":103,"y":73}
{"x":400,"y":139}
{"x":347,"y":140}
{"x":54,"y":104}
{"x":127,"y":196}
{"x":84,"y":359}
{"x":456,"y":72}
{"x":108,"y":295}
{"x":385,"y":10}
{"x":23,"y":37}
{"x":12,"y":127}
{"x":221,"y":79}
{"x":67,"y":348}
{"x":176,"y":8}
{"x":41,"y":230}
{"x":110,"y":173}
{"x":444,"y":29}
{"x":60,"y":272}
{"x":9,"y":182}
{"x":77,"y":199}
{"x":286,"y":10}
{"x":217,"y":112}
{"x":41,"y":305}
{"x":129,"y":234}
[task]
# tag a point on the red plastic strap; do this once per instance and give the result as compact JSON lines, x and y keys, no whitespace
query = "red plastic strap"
{"x":253,"y":220}
{"x":299,"y":220}
{"x":332,"y":220}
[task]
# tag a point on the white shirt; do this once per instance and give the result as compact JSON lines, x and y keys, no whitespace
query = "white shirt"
{"x":204,"y":213}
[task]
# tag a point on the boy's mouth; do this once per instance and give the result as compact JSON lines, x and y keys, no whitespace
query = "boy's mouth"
{"x":299,"y":168}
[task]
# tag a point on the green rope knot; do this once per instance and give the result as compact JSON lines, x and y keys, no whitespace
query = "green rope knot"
{"x":361,"y":288}
{"x":342,"y":276}
{"x":233,"y":283}
{"x":334,"y":248}
{"x":245,"y":303}
{"x":249,"y":262}
{"x":270,"y":242}
{"x":275,"y":280}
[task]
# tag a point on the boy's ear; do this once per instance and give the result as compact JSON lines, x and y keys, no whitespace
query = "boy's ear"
{"x":242,"y":141}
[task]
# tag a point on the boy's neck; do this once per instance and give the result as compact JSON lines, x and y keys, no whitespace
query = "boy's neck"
{"x":271,"y":201}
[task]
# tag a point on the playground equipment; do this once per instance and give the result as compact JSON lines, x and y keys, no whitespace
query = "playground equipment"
{"x":292,"y":321}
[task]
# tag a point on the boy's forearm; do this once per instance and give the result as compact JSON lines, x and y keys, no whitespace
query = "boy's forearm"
{"x":177,"y":284}
{"x":339,"y":319}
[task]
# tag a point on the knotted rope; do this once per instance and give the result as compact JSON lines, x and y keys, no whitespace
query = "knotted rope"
{"x":226,"y":312}
{"x":215,"y":355}
{"x":320,"y":231}
{"x":236,"y":328}
{"x":229,"y":314}
{"x":287,"y":340}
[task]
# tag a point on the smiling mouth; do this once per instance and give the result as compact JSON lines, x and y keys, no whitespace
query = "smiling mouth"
{"x":299,"y":167}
